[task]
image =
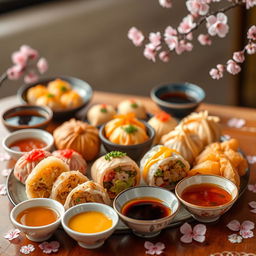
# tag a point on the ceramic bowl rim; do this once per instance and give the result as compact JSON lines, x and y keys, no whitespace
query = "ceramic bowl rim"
{"x":146,"y":222}
{"x":37,"y":227}
{"x":194,"y":87}
{"x":47,"y":110}
{"x":113,"y":226}
{"x":49,"y":142}
{"x":216,"y":207}
{"x":150,"y":131}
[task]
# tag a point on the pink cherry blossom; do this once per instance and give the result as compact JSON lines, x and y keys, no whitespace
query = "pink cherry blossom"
{"x":4,"y":157}
{"x":232,"y":67}
{"x":12,"y":234}
{"x":183,"y":46}
{"x":251,"y":159}
{"x":250,"y":3}
{"x":19,"y":58}
{"x":6,"y":172}
{"x":189,"y":36}
{"x":42,"y":65}
{"x":27,"y":249}
{"x":239,"y":56}
{"x":153,"y":249}
{"x":135,"y":36}
{"x":217,"y":25}
{"x":155,"y":38}
{"x":245,"y":229}
{"x":170,"y":37}
{"x":15,"y":72}
{"x":251,"y":34}
{"x":165,"y":3}
{"x":197,"y":7}
{"x":49,"y":247}
{"x":251,"y":48}
{"x":197,"y":233}
{"x":186,"y":25}
{"x":253,"y":205}
{"x":164,"y":56}
{"x":204,"y":39}
{"x":3,"y":189}
{"x":252,"y":188}
{"x":234,"y":238}
{"x":215,"y":74}
{"x":150,"y":52}
{"x":30,"y":77}
{"x":29,"y":52}
{"x":236,"y":122}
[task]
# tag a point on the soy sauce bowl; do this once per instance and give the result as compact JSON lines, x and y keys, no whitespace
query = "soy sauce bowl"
{"x":178,"y":99}
{"x":147,"y":228}
{"x":207,"y":213}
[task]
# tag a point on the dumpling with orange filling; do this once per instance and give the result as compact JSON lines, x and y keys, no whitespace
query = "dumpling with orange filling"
{"x":35,"y":92}
{"x":71,"y":99}
{"x":58,"y":87}
{"x":49,"y":100}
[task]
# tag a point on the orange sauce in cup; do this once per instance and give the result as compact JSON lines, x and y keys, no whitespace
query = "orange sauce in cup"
{"x":37,"y":216}
{"x":26,"y":145}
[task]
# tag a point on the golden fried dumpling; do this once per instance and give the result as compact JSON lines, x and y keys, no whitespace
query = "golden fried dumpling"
{"x":187,"y":143}
{"x":132,"y":106}
{"x":126,"y":130}
{"x":100,"y":114}
{"x":79,"y":136}
{"x":35,"y":92}
{"x":206,"y":127}
{"x":49,"y":100}
{"x":40,"y":181}
{"x":71,"y":99}
{"x":65,"y":183}
{"x":58,"y":87}
{"x":162,"y":124}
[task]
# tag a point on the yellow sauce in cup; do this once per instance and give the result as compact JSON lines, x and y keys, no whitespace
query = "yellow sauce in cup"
{"x":90,"y":222}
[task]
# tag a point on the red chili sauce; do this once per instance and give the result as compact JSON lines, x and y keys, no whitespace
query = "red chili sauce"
{"x":26,"y":145}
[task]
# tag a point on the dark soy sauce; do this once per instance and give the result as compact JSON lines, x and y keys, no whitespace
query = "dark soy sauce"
{"x":177,"y":97}
{"x":145,"y":208}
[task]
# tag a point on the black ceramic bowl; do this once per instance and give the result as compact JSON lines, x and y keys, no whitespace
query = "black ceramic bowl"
{"x":178,"y":99}
{"x":80,"y":86}
{"x":26,"y":116}
{"x":134,"y":151}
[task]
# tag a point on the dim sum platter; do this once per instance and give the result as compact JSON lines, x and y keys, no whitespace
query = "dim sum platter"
{"x":16,"y":193}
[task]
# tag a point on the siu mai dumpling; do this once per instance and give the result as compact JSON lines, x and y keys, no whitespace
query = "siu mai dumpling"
{"x":100,"y":114}
{"x":40,"y":181}
{"x":65,"y":183}
{"x":73,"y":159}
{"x":132,"y":106}
{"x":35,"y":92}
{"x":162,"y":124}
{"x":88,"y":192}
{"x":71,"y":99}
{"x":28,"y":162}
{"x":58,"y":87}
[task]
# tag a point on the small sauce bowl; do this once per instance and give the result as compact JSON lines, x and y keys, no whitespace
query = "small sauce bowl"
{"x":207,"y":213}
{"x":37,"y":233}
{"x":147,"y":228}
{"x":42,"y":135}
{"x":90,"y":240}
{"x":27,"y":116}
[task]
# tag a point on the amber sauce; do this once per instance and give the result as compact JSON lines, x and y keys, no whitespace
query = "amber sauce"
{"x":37,"y":216}
{"x":206,"y":195}
{"x":145,"y":208}
{"x":26,"y":145}
{"x":177,"y":97}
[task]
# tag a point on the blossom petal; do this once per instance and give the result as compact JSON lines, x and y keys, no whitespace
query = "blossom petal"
{"x":186,"y":238}
{"x":252,"y":204}
{"x":160,"y":246}
{"x":247,"y":225}
{"x":234,"y":238}
{"x":148,"y":245}
{"x":246,"y":233}
{"x":186,"y":228}
{"x":199,"y":229}
{"x":199,"y":238}
{"x":234,"y":225}
{"x":253,"y":211}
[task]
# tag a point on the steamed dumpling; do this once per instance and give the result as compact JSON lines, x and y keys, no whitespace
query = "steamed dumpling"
{"x":49,"y":100}
{"x":132,"y":106}
{"x":71,"y":99}
{"x":58,"y":87}
{"x":40,"y":181}
{"x":35,"y":92}
{"x":100,"y":114}
{"x":65,"y":183}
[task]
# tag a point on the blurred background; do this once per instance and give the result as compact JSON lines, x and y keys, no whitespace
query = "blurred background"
{"x":88,"y":39}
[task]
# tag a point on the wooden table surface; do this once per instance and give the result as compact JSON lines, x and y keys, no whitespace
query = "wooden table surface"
{"x":128,"y":244}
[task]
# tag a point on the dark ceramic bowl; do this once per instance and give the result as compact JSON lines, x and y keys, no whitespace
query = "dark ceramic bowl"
{"x":80,"y":86}
{"x":134,"y":151}
{"x":26,"y":116}
{"x":179,"y":99}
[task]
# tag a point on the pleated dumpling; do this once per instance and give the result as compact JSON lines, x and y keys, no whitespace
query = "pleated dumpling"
{"x":87,"y":192}
{"x":207,"y":127}
{"x":187,"y":143}
{"x":65,"y":183}
{"x":40,"y":181}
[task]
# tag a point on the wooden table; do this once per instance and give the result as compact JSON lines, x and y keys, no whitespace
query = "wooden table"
{"x":128,"y":244}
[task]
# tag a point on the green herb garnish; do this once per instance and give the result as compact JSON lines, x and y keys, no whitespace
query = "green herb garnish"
{"x":134,"y":105}
{"x":50,"y":95}
{"x":78,"y":200}
{"x":103,"y":110}
{"x":130,"y":129}
{"x":181,"y":164}
{"x":159,"y":173}
{"x":63,"y":88}
{"x":114,"y":154}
